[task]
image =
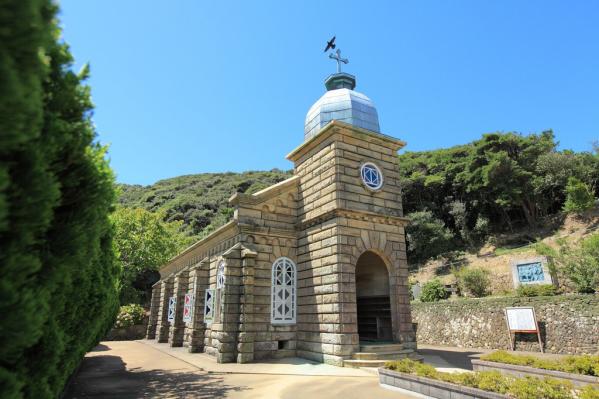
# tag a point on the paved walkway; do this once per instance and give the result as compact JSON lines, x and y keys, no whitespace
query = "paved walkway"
{"x":143,"y":369}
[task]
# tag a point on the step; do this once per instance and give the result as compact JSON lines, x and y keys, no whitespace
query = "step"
{"x":381,"y":348}
{"x":363,"y":363}
{"x":392,"y":355}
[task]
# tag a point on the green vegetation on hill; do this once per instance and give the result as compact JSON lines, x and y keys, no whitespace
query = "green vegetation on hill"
{"x":199,"y":201}
{"x":501,"y":182}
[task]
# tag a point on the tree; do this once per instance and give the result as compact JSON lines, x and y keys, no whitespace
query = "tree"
{"x":28,"y":192}
{"x":58,"y":276}
{"x":579,"y":197}
{"x":427,"y":237}
{"x":579,"y":264}
{"x":144,"y":242}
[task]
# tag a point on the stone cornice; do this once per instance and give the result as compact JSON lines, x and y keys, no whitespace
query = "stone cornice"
{"x":356,"y":215}
{"x":337,"y":127}
{"x":269,"y":231}
{"x":202,"y":244}
{"x":263,"y":195}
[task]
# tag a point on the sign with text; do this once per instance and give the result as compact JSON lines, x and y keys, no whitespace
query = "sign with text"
{"x":521,"y":319}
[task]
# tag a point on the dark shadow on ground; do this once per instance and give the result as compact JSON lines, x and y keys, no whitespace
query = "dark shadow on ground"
{"x":455,"y":359}
{"x":107,"y":377}
{"x":100,"y":348}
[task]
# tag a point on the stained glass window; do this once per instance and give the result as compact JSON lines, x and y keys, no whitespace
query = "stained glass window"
{"x":209,"y":306}
{"x":172,"y":302}
{"x":284,"y":282}
{"x":371,"y":176}
{"x":220,"y":275}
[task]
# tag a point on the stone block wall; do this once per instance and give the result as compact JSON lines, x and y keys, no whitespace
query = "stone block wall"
{"x":569,"y":323}
{"x":154,"y":306}
{"x":176,"y":330}
{"x":193,"y":336}
{"x":162,"y":326}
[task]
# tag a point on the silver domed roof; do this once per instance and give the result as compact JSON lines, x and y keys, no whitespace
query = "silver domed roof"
{"x":342,"y":104}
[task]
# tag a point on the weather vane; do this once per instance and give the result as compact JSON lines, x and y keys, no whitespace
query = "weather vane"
{"x":337,"y":55}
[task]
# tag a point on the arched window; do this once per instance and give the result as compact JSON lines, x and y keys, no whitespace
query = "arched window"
{"x":283,"y":298}
{"x":220,"y":275}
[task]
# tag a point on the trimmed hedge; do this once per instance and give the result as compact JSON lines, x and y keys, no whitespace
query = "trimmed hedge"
{"x":585,"y":364}
{"x":494,"y":381}
{"x":58,"y":270}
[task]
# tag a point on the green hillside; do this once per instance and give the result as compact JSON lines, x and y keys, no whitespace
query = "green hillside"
{"x":200,"y":200}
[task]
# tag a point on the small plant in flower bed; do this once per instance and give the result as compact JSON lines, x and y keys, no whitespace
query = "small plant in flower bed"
{"x":130,"y":315}
{"x":583,"y":364}
{"x":494,"y":381}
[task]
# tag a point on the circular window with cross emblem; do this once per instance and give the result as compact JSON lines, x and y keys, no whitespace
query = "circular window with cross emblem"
{"x":371,"y":175}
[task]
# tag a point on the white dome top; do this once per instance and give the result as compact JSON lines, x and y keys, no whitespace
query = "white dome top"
{"x":344,"y":105}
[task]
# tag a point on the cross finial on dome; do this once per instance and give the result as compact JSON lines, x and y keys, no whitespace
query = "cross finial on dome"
{"x":337,"y":57}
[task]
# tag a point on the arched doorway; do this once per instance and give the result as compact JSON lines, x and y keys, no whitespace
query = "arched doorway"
{"x":372,"y":298}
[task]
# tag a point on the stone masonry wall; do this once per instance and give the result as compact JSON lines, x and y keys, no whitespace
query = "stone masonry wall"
{"x":569,"y":323}
{"x":340,"y":220}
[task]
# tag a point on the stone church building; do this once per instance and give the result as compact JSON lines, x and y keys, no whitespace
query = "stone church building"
{"x":314,"y":266}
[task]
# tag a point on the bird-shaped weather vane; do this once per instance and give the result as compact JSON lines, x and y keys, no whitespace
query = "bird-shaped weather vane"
{"x":337,"y":55}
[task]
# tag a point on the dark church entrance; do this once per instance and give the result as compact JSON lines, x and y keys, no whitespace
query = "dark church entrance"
{"x":372,"y":299}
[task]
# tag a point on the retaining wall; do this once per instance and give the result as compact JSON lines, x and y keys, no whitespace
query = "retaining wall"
{"x":569,"y":323}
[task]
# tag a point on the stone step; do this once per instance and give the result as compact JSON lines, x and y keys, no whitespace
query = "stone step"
{"x":391,"y":355}
{"x":363,"y":363}
{"x":381,"y":348}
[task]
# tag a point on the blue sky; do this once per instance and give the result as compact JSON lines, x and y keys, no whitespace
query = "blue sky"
{"x":184,"y":87}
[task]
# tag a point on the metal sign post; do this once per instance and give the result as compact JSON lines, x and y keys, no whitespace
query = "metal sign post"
{"x":522,"y":320}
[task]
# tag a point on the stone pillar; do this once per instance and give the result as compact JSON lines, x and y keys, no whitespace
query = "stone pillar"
{"x":162,"y":327}
{"x":198,"y":283}
{"x":176,"y":330}
{"x":154,"y":306}
{"x":246,"y":336}
{"x":226,"y":325}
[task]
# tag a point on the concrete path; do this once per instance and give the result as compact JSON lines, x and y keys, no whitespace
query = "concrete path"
{"x":143,"y":369}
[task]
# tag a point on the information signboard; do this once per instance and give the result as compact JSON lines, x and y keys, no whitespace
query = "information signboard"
{"x":522,"y":320}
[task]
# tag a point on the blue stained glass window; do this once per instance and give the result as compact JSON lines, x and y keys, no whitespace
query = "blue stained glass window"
{"x":530,"y":272}
{"x":371,"y":176}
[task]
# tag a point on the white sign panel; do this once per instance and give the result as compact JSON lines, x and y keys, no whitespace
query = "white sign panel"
{"x":521,"y":319}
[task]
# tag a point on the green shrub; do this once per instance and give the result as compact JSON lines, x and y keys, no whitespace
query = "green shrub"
{"x":58,"y":279}
{"x":433,"y":291}
{"x":589,"y":392}
{"x":582,"y":364}
{"x":529,"y":290}
{"x":579,"y":196}
{"x":130,"y":315}
{"x":579,"y":264}
{"x":474,"y":280}
{"x":494,"y":381}
{"x":535,"y":388}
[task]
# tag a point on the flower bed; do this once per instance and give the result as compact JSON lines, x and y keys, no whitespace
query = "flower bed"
{"x":581,"y":370}
{"x":426,"y":380}
{"x":584,"y":365}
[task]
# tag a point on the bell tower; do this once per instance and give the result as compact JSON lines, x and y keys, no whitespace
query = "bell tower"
{"x":352,"y":265}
